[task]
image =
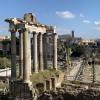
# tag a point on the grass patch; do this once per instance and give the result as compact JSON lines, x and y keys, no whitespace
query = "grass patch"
{"x":41,"y":76}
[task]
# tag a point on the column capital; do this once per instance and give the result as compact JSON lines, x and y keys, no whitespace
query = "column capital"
{"x":20,"y":31}
{"x":12,"y":27}
{"x":45,"y":34}
{"x":55,"y":34}
{"x":40,"y":33}
{"x":13,"y":31}
{"x":34,"y":33}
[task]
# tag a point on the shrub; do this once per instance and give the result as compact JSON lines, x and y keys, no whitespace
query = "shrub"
{"x":4,"y":63}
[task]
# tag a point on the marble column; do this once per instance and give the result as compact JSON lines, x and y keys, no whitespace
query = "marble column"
{"x":29,"y":47}
{"x":20,"y":54}
{"x":55,"y":51}
{"x":40,"y":52}
{"x":13,"y":55}
{"x":26,"y":57}
{"x":45,"y":63}
{"x":35,"y":55}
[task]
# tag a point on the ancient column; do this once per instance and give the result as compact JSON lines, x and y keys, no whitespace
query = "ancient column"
{"x":26,"y":57}
{"x":29,"y":47}
{"x":13,"y":54}
{"x":45,"y":51}
{"x":55,"y":51}
{"x":40,"y":52}
{"x":35,"y":55}
{"x":20,"y":54}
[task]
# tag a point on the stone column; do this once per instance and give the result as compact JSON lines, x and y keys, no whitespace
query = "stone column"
{"x":55,"y":51}
{"x":45,"y":50}
{"x":30,"y":54}
{"x":20,"y":54}
{"x":26,"y":57}
{"x":40,"y":52}
{"x":35,"y":55}
{"x":13,"y":55}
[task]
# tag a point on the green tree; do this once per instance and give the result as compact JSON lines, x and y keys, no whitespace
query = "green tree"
{"x":4,"y":63}
{"x":77,"y":50}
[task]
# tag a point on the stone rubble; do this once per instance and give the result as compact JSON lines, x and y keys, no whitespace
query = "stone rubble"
{"x":63,"y":94}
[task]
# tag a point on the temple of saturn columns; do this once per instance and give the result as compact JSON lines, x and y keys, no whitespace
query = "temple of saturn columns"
{"x":28,"y":28}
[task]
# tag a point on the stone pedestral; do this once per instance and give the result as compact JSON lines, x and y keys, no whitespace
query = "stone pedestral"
{"x":21,"y":91}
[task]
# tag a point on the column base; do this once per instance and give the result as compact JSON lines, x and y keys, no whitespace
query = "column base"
{"x":27,"y":82}
{"x":21,"y":91}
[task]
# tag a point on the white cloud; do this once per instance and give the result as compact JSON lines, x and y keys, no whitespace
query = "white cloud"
{"x":97,"y":22}
{"x":81,"y":15}
{"x":65,"y":14}
{"x":86,"y":21}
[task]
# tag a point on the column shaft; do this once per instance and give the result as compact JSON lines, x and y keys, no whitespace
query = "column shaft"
{"x":45,"y":51}
{"x":20,"y":54}
{"x":55,"y":51}
{"x":40,"y":52}
{"x":35,"y":55}
{"x":30,"y":54}
{"x":13,"y":55}
{"x":26,"y":57}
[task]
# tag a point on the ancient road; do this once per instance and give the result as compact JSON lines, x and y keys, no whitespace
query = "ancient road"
{"x":74,"y":71}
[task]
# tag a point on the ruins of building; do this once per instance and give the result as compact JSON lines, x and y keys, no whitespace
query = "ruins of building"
{"x":29,"y":27}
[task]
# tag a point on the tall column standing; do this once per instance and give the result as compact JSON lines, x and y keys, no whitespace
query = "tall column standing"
{"x":13,"y":54}
{"x":29,"y":47}
{"x":40,"y":52}
{"x":55,"y":51}
{"x":45,"y":50}
{"x":35,"y":55}
{"x":20,"y":54}
{"x":26,"y":57}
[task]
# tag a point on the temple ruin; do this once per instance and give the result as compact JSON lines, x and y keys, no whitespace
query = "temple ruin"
{"x":28,"y":28}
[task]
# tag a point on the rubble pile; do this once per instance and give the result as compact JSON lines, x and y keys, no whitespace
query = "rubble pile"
{"x":89,"y":94}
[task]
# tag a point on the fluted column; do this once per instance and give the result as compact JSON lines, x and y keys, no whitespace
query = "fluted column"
{"x":40,"y":52}
{"x":26,"y":57}
{"x":55,"y":51}
{"x":45,"y":51}
{"x":20,"y":54}
{"x":13,"y":54}
{"x":35,"y":55}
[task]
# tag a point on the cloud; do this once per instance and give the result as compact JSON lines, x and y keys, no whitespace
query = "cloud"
{"x":86,"y":21}
{"x":97,"y":22}
{"x":65,"y":14}
{"x":81,"y":15}
{"x":97,"y":28}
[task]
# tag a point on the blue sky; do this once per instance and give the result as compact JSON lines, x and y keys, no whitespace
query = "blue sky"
{"x":82,"y":16}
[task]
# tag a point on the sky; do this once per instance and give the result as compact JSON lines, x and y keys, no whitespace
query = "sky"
{"x":82,"y":16}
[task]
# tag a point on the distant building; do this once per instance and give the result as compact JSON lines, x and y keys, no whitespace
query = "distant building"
{"x":88,"y":42}
{"x":70,"y":38}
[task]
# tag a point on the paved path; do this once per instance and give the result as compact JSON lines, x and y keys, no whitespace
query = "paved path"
{"x":74,"y":71}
